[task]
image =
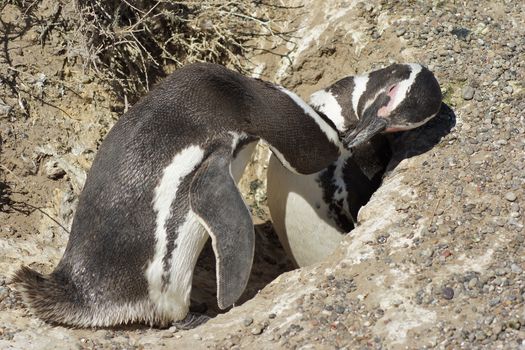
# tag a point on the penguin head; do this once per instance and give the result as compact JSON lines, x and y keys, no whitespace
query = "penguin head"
{"x":398,"y":97}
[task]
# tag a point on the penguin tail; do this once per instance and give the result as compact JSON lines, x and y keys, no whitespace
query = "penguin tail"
{"x":51,"y":297}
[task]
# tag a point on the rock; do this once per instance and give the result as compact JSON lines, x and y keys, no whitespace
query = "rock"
{"x":5,"y":109}
{"x":472,"y":283}
{"x":53,"y":170}
{"x":514,"y":324}
{"x":516,"y":268}
{"x":510,"y":196}
{"x":4,"y":292}
{"x":400,"y":31}
{"x":495,"y":301}
{"x":340,"y":309}
{"x":247,"y":321}
{"x":447,"y":293}
{"x":467,"y":93}
{"x":256,"y":330}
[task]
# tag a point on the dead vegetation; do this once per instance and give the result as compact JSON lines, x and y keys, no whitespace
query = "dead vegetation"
{"x":130,"y":43}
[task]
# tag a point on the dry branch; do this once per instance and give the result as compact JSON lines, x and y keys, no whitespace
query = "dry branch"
{"x":130,"y":43}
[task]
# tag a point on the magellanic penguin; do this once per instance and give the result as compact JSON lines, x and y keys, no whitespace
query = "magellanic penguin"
{"x":163,"y":180}
{"x":311,"y":213}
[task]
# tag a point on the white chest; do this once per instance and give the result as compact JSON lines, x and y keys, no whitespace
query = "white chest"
{"x":300,"y":216}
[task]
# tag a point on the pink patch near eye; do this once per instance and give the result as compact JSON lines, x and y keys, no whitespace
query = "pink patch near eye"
{"x":392,"y":91}
{"x":385,"y":110}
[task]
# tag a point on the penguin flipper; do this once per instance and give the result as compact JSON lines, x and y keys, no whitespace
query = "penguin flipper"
{"x":216,"y":201}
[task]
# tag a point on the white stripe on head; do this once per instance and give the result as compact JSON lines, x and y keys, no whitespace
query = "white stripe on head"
{"x":182,"y":165}
{"x":360,"y":82}
{"x":326,"y":103}
{"x":330,"y":133}
{"x":394,"y":128}
{"x":404,"y":86}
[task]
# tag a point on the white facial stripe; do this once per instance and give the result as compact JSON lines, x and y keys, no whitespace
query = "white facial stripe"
{"x":412,"y":125}
{"x":330,"y":133}
{"x":404,"y":87}
{"x":326,"y":102}
{"x":370,"y":101}
{"x":360,"y":82}
{"x":183,"y":163}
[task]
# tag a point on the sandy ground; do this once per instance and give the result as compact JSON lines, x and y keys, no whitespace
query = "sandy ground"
{"x":439,"y":258}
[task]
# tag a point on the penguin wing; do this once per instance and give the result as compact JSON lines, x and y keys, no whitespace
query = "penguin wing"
{"x":216,"y":201}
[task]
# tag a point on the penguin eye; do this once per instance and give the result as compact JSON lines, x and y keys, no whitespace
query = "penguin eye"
{"x":392,"y":88}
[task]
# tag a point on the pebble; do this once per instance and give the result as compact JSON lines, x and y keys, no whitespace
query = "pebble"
{"x":53,"y":170}
{"x":472,"y":283}
{"x":167,"y":334}
{"x":5,"y":109}
{"x":508,"y":89}
{"x":400,"y":31}
{"x":256,"y":330}
{"x":4,"y":292}
{"x":448,"y":293}
{"x":514,"y":324}
{"x":510,"y":196}
{"x":247,"y":321}
{"x":516,"y":268}
{"x":467,"y":93}
{"x":340,"y":309}
{"x":495,"y":301}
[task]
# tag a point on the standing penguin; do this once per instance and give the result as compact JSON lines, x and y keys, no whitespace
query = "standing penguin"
{"x":164,"y":179}
{"x":311,"y":213}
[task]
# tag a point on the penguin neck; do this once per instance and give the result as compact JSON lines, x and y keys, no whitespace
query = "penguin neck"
{"x":301,"y":139}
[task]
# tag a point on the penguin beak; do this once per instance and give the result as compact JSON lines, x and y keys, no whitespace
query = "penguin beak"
{"x":370,"y":125}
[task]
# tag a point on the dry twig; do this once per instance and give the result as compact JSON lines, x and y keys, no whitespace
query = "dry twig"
{"x":130,"y":43}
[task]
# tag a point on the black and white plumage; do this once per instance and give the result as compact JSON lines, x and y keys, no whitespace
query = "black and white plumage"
{"x":164,"y":179}
{"x":311,"y":213}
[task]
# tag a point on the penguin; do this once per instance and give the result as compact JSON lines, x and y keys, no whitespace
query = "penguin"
{"x":312,"y":213}
{"x":162,"y":182}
